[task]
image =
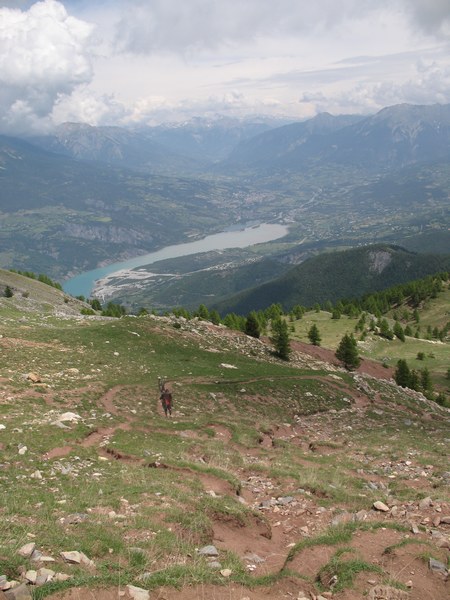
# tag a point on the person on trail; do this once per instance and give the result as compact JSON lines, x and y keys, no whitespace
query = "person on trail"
{"x":166,"y":401}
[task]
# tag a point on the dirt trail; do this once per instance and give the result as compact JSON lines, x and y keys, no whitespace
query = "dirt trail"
{"x":278,"y":519}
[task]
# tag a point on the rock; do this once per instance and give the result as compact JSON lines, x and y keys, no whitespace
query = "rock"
{"x":76,"y":558}
{"x":36,"y":475}
{"x":61,"y":577}
{"x":445,"y":520}
{"x":381,"y":506}
{"x":27,"y":550}
{"x":215,"y":564}
{"x":20,"y":592}
{"x":74,"y":519}
{"x":285,"y":500}
{"x":437,"y":567}
{"x":254,"y":558}
{"x":44,"y":575}
{"x":385,"y":592}
{"x":414,"y":529}
{"x":22,"y":449}
{"x":208,"y":551}
{"x":31,"y":576}
{"x":138,"y":593}
{"x":68,"y":416}
{"x":34,"y":378}
{"x":425,"y":503}
{"x":226,"y":572}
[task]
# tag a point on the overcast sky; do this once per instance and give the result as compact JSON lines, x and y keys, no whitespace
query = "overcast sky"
{"x":128,"y":62}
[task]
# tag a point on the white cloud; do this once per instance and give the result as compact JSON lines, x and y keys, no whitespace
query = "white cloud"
{"x":44,"y":56}
{"x":126,"y":61}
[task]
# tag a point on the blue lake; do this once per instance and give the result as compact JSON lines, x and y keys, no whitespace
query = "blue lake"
{"x":83,"y":284}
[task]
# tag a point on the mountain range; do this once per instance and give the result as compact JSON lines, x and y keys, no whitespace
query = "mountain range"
{"x":86,"y":196}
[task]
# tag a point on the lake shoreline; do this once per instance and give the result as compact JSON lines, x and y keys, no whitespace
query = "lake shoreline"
{"x":250,"y":235}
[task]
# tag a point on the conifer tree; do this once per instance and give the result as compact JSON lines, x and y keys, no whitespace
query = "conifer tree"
{"x":314,"y":335}
{"x":280,"y":338}
{"x":252,"y":326}
{"x":347,"y":352}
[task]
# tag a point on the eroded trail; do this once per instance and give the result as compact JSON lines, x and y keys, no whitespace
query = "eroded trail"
{"x":280,"y":518}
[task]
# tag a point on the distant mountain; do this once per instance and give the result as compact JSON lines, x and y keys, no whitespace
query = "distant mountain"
{"x":114,"y":146}
{"x":210,"y":140}
{"x":279,"y":145}
{"x":180,"y":147}
{"x":337,"y":275}
{"x":395,"y":137}
{"x":59,"y":215}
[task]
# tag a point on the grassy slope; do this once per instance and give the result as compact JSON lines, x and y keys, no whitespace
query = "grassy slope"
{"x":435,"y":314}
{"x":106,"y":371}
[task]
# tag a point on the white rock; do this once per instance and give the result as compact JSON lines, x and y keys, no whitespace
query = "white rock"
{"x":72,"y":557}
{"x":138,"y":593}
{"x":381,"y":506}
{"x":31,"y":576}
{"x":27,"y":550}
{"x":68,"y":416}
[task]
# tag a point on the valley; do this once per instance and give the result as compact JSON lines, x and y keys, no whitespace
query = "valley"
{"x":90,"y":197}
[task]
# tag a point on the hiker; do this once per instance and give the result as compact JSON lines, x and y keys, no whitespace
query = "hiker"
{"x":166,"y":401}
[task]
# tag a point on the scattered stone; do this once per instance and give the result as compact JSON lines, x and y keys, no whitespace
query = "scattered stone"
{"x":226,"y":572}
{"x":74,"y":519}
{"x":445,"y":520}
{"x":20,"y":592}
{"x":138,"y":593}
{"x":385,"y":592}
{"x":208,"y":551}
{"x":68,"y":416}
{"x":254,"y":558}
{"x":437,"y":567}
{"x":76,"y":558}
{"x":285,"y":500}
{"x":22,"y":449}
{"x":61,"y":577}
{"x":36,"y":475}
{"x":414,"y":529}
{"x":34,"y":378}
{"x":215,"y":564}
{"x":31,"y":576}
{"x":72,"y":557}
{"x":425,"y":503}
{"x":381,"y":506}
{"x":27,"y":550}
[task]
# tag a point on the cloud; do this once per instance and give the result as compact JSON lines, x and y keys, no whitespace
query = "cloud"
{"x":431,"y":16}
{"x":44,"y":57}
{"x":194,"y":25}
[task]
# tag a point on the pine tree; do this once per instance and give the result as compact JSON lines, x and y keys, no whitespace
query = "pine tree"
{"x":314,"y":335}
{"x":402,"y":374}
{"x":252,"y":326}
{"x":280,"y":338}
{"x":347,"y":352}
{"x":425,"y":381}
{"x":8,"y":292}
{"x":398,"y":331}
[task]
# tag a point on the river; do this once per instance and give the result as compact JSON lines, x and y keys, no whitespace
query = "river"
{"x":83,"y":284}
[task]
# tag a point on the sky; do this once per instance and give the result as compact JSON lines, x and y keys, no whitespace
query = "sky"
{"x":137,"y":62}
